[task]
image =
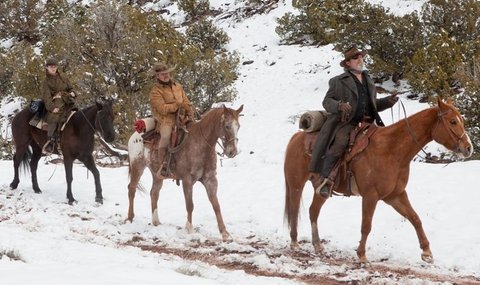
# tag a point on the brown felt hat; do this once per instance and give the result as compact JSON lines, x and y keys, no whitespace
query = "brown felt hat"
{"x":162,"y":68}
{"x":51,"y":61}
{"x":350,"y":53}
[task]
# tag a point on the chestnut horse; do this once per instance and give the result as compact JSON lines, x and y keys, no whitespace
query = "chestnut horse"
{"x":195,"y":161}
{"x":381,"y":171}
{"x":77,"y":141}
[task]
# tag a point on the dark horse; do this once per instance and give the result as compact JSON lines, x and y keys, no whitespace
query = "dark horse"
{"x":195,"y":161}
{"x":381,"y":171}
{"x":77,"y":141}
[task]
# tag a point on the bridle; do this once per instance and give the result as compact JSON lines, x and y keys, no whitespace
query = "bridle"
{"x":451,"y":133}
{"x":225,"y":141}
{"x":440,"y":117}
{"x":96,"y":123}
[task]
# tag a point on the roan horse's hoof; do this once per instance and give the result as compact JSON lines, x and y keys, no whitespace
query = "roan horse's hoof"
{"x":226,"y":237}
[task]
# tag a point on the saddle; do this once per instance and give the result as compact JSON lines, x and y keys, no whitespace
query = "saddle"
{"x":147,"y":128}
{"x":358,"y":142}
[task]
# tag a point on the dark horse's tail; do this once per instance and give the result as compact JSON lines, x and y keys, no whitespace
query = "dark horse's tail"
{"x":25,"y":162}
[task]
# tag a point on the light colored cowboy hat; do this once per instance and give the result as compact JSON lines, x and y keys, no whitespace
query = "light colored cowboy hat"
{"x":163,"y":68}
{"x":350,"y":53}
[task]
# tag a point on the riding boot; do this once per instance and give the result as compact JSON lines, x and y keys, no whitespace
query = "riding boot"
{"x":50,"y":144}
{"x":326,"y":180}
{"x":161,"y":172}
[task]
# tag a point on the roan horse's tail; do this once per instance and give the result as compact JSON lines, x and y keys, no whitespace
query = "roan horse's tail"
{"x":135,"y":155}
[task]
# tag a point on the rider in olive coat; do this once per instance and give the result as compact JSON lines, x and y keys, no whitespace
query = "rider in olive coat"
{"x":350,"y":99}
{"x":59,"y":98}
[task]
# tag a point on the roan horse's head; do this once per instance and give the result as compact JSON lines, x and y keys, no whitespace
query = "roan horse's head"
{"x":450,"y":130}
{"x":104,"y":120}
{"x":230,"y":126}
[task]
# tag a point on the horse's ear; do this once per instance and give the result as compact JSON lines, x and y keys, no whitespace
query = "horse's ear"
{"x":99,"y":103}
{"x":239,"y":110}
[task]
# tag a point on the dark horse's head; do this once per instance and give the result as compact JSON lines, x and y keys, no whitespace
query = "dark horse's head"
{"x":230,"y":126}
{"x":104,"y":120}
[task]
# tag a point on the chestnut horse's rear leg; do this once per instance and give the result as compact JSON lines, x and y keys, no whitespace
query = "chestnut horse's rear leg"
{"x":402,"y":205}
{"x":314,"y":211}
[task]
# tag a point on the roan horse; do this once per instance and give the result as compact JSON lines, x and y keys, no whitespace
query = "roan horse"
{"x":381,"y":171}
{"x":77,"y":142}
{"x":195,"y":161}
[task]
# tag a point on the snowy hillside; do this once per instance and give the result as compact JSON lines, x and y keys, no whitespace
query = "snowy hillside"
{"x":91,"y":244}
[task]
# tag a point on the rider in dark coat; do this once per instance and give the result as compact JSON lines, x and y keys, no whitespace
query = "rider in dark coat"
{"x":59,"y":98}
{"x":351,"y":98}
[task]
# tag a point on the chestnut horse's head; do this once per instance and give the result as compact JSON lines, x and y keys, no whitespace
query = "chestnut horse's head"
{"x":229,"y":130}
{"x":450,"y":130}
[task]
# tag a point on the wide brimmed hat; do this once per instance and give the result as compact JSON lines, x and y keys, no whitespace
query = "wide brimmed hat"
{"x":51,"y":61}
{"x":350,"y":53}
{"x":162,"y":68}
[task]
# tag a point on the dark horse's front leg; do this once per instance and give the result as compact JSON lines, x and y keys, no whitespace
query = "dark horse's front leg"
{"x":90,"y":164}
{"x":68,"y":163}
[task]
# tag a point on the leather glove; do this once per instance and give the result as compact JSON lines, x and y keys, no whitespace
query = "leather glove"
{"x":181,"y":111}
{"x":345,"y":109}
{"x":392,"y":99}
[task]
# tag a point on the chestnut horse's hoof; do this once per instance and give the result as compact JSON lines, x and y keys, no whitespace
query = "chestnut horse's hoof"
{"x":428,"y":258}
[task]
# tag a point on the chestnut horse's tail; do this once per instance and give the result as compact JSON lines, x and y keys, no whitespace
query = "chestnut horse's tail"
{"x":296,"y":175}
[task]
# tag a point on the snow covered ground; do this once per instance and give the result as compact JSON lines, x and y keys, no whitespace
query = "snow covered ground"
{"x":88,"y":243}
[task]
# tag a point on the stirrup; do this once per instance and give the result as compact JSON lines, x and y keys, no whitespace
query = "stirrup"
{"x":324,"y":188}
{"x":48,"y":147}
{"x":162,"y":172}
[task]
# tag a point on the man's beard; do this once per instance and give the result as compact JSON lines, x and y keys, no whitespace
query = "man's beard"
{"x":357,"y":70}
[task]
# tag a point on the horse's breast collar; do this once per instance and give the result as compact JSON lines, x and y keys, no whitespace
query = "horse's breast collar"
{"x":68,"y":119}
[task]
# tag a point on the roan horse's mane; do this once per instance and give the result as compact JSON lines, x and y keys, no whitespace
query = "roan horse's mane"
{"x":209,"y":118}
